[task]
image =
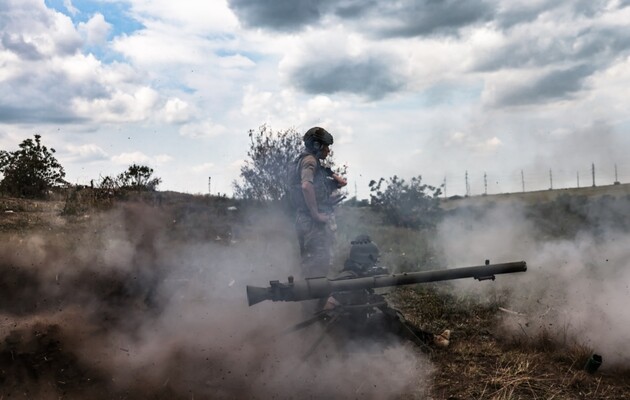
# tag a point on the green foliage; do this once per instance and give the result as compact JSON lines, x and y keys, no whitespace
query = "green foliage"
{"x":412,"y":205}
{"x":136,"y":177}
{"x":30,"y":171}
{"x":265,"y":173}
{"x":270,"y":154}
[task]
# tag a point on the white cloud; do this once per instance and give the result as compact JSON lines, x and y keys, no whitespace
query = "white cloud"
{"x":70,"y":7}
{"x":191,"y":16}
{"x":85,"y":153}
{"x":159,"y":46}
{"x":488,"y":146}
{"x":161,"y":159}
{"x":204,"y":129}
{"x":138,"y":157}
{"x":95,"y":30}
{"x":119,"y":106}
{"x":176,"y":111}
{"x":255,"y":103}
{"x":205,"y":167}
{"x":236,"y":61}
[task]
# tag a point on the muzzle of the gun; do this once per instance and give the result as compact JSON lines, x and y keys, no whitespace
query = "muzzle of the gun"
{"x":257,"y":294}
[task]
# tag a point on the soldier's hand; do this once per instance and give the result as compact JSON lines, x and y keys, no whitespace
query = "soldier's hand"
{"x":341,"y":181}
{"x":322,"y":218}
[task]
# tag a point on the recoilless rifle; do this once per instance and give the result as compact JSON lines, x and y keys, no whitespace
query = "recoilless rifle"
{"x":349,"y":305}
{"x":322,"y":287}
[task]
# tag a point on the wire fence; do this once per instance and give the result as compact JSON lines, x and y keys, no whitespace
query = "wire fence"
{"x":475,"y":182}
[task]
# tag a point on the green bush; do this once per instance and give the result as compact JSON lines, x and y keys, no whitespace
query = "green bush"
{"x":412,"y":205}
{"x":264,"y":175}
{"x":30,"y":171}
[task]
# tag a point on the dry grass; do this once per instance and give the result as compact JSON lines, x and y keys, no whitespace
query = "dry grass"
{"x":483,"y":360}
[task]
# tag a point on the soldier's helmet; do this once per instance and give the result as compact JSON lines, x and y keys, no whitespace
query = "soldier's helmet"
{"x":316,"y":138}
{"x":364,"y":254}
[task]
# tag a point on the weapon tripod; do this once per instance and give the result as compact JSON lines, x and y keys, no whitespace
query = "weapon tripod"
{"x":349,"y":316}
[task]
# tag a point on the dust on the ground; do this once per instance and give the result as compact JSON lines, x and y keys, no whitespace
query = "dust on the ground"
{"x":146,"y":301}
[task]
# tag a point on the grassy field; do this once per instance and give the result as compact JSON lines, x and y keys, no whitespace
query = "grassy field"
{"x":145,"y":299}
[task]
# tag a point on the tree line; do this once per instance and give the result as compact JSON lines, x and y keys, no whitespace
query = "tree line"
{"x":33,"y":170}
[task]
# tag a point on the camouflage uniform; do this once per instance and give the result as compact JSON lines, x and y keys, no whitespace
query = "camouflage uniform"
{"x":316,"y":239}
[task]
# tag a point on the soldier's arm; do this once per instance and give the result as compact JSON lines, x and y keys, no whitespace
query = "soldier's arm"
{"x":308,"y":191}
{"x":307,"y":174}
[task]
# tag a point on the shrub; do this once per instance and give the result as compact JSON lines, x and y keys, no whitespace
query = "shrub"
{"x":411,"y":205}
{"x":30,"y":171}
{"x":136,"y":177}
{"x":264,"y":173}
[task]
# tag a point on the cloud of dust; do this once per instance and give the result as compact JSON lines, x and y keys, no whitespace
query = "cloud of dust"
{"x":576,"y":286}
{"x":154,"y":306}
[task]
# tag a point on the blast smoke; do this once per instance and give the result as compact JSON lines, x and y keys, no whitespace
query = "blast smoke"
{"x":576,"y":287}
{"x":145,"y":302}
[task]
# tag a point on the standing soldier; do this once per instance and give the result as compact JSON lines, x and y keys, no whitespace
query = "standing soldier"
{"x":312,"y":189}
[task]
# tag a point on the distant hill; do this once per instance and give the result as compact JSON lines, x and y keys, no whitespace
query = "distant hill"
{"x":539,"y":196}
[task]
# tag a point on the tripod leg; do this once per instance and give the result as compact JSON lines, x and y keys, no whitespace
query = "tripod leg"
{"x":311,"y":350}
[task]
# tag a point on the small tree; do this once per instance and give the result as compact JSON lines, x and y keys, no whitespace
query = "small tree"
{"x":270,"y":153}
{"x":30,"y":171}
{"x":412,"y":205}
{"x":138,"y":177}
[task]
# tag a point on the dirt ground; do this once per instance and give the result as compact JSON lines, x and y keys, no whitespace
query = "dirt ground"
{"x":111,"y":304}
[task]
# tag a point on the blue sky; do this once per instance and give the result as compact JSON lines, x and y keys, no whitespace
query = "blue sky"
{"x":407,"y":88}
{"x":116,"y":13}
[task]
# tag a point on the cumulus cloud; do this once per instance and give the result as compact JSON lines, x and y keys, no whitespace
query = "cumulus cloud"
{"x":413,"y":18}
{"x":191,"y":16}
{"x":202,"y":129}
{"x":372,"y":76}
{"x":384,"y":19}
{"x":277,"y":15}
{"x":138,"y":157}
{"x":95,"y":30}
{"x":119,"y":106}
{"x":70,"y":7}
{"x":84,"y":153}
{"x":552,"y":85}
{"x":46,"y":78}
{"x":176,"y":111}
{"x":205,"y":167}
{"x":323,"y":64}
{"x":18,"y":45}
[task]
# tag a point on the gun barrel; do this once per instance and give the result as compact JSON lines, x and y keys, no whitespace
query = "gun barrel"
{"x":315,"y":288}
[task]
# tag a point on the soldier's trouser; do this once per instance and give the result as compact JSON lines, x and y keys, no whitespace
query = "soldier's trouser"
{"x":316,"y":245}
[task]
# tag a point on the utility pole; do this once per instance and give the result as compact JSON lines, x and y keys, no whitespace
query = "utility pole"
{"x":467,"y":185}
{"x":209,"y":185}
{"x":523,"y":181}
{"x":550,"y":180}
{"x":578,"y":179}
{"x":593,"y":172}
